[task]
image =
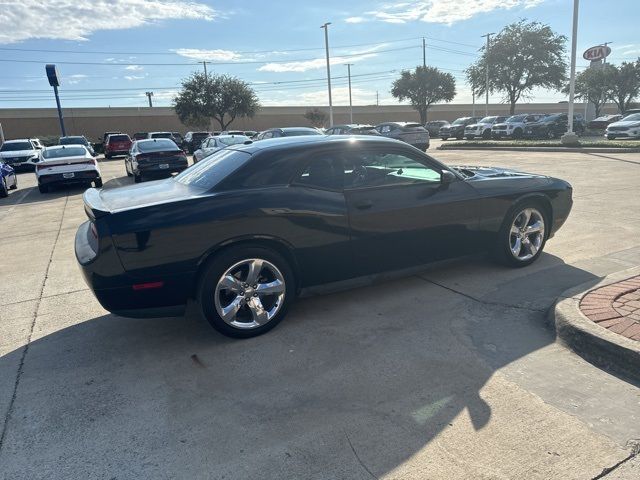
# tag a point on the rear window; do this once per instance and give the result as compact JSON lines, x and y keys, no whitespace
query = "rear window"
{"x":119,"y":138}
{"x":301,"y":132}
{"x":73,"y":141}
{"x":233,"y":140}
{"x":15,"y":146}
{"x":50,"y":153}
{"x":413,"y":125}
{"x":460,"y":120}
{"x":157,"y":145}
{"x":162,"y":135}
{"x":516,"y":118}
{"x":209,"y":172}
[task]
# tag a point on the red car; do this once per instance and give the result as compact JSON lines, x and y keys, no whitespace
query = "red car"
{"x":117,"y":144}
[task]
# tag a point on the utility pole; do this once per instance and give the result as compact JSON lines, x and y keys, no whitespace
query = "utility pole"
{"x":204,"y":63}
{"x":473,"y":102}
{"x":424,"y":52}
{"x":570,"y":137}
{"x":350,"y":104}
{"x":377,"y":99}
{"x":149,"y":95}
{"x":486,"y":75}
{"x":326,"y":46}
{"x":604,"y":60}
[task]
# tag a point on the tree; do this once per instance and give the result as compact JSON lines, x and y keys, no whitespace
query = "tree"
{"x":218,"y":97}
{"x":316,"y":117}
{"x":423,"y":87}
{"x":625,"y":84}
{"x":523,"y":56}
{"x":594,"y":85}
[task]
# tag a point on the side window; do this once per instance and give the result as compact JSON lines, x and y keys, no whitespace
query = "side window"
{"x":267,"y":135}
{"x":331,"y":131}
{"x":375,"y":169}
{"x":385,"y":129}
{"x":324,"y":171}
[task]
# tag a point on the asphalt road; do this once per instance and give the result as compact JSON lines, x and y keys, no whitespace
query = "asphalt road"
{"x":450,"y":373}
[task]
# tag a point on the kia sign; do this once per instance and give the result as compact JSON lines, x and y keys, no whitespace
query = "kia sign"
{"x":596,"y":53}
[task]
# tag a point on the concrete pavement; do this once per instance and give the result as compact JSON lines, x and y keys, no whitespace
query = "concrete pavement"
{"x":452,"y":373}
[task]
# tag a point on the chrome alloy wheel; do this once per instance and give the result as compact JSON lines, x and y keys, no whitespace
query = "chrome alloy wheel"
{"x":250,"y":293}
{"x":526,"y":234}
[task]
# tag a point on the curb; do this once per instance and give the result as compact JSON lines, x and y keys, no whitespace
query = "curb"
{"x":544,"y":149}
{"x":594,"y":343}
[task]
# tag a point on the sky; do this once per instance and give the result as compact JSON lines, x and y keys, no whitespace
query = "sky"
{"x":110,"y":52}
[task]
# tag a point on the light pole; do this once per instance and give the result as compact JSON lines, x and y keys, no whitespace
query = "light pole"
{"x":52,"y":76}
{"x":149,"y":95}
{"x":350,"y":103}
{"x":326,"y":46}
{"x":486,"y":76}
{"x":571,"y":138}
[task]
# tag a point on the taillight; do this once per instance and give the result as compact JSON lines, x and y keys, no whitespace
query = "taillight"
{"x":142,"y":157}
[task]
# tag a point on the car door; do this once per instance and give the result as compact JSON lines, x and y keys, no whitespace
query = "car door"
{"x":401,"y":211}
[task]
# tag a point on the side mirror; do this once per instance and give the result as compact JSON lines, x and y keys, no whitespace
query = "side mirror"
{"x":447,"y":177}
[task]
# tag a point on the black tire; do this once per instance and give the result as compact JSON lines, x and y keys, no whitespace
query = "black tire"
{"x":444,"y":138}
{"x":517,"y":133}
{"x":15,"y":183}
{"x":459,"y":137}
{"x":97,"y":182}
{"x":137,"y":178}
{"x":611,"y":137}
{"x":502,"y":249}
{"x":126,"y":168}
{"x":470,"y":137}
{"x":108,"y":156}
{"x":486,"y":135}
{"x":43,"y":188}
{"x":4,"y":191}
{"x":216,"y":268}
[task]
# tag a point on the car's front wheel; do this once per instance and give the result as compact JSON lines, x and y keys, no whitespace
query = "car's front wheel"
{"x":523,"y":235}
{"x":444,"y":138}
{"x":43,"y":188}
{"x":246,"y":291}
{"x":4,"y":191}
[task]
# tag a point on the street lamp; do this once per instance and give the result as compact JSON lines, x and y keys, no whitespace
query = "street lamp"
{"x":349,"y":65}
{"x":326,"y":46}
{"x":52,"y":76}
{"x":570,"y":138}
{"x":486,"y":75}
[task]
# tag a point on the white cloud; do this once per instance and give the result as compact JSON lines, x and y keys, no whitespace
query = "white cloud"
{"x":134,"y":68}
{"x":355,"y":19}
{"x":442,"y":11}
{"x":339,"y":96}
{"x":134,"y":77}
{"x":76,"y":78}
{"x":216,"y":55}
{"x":77,"y":19}
{"x":317,"y":63}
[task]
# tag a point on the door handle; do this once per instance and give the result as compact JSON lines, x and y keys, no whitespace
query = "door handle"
{"x":364,"y":204}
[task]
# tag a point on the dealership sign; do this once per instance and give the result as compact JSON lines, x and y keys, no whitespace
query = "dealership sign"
{"x":596,"y":53}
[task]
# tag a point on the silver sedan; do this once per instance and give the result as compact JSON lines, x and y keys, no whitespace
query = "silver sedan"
{"x":213,"y":144}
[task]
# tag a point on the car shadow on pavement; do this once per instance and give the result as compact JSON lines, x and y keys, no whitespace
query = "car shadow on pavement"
{"x":351,"y":385}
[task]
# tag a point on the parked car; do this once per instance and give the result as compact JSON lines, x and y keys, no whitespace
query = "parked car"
{"x":106,"y":135}
{"x":232,"y":132}
{"x":631,"y":111}
{"x":456,"y":129}
{"x":288,"y":132}
{"x":192,"y":140}
{"x":552,"y":126}
{"x":67,"y":164}
{"x":408,"y":132}
{"x":8,"y":179}
{"x":245,"y":230}
{"x":178,"y":138}
{"x":352,"y":129}
{"x":250,"y":133}
{"x":482,"y":128}
{"x":602,"y":122}
{"x":38,"y":144}
{"x":77,"y":140}
{"x":154,"y":158}
{"x":514,"y":126}
{"x":213,"y":144}
{"x":628,"y":127}
{"x":20,"y":153}
{"x":117,"y":144}
{"x":140,"y":136}
{"x":434,"y":126}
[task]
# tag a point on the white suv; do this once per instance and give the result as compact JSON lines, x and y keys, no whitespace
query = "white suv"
{"x":20,"y":153}
{"x":482,"y":128}
{"x":513,"y":127}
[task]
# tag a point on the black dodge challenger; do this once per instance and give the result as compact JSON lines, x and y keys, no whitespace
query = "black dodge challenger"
{"x":243,"y":231}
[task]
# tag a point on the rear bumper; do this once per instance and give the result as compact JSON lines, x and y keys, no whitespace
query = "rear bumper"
{"x":78,"y":177}
{"x":154,"y":169}
{"x":114,"y":288}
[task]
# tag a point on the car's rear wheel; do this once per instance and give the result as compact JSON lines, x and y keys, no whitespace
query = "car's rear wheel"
{"x":470,"y":137}
{"x":97,"y":182}
{"x":137,"y":178}
{"x":15,"y":183}
{"x":611,"y":137}
{"x":4,"y":191}
{"x":444,"y":138}
{"x":517,"y":133}
{"x":108,"y":156}
{"x":43,"y":188}
{"x":523,"y":234}
{"x":246,"y":291}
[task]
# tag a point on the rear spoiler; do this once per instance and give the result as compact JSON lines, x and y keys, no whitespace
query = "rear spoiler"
{"x":94,"y":207}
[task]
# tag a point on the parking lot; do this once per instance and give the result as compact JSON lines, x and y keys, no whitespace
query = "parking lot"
{"x":449,"y":373}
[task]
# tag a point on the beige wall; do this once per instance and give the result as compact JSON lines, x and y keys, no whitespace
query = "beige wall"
{"x":93,"y":122}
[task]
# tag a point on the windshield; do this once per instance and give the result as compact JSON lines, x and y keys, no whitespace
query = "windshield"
{"x":73,"y":141}
{"x":50,"y":153}
{"x":210,"y":171}
{"x":634,"y":117}
{"x":16,"y":146}
{"x":233,"y":140}
{"x":488,"y":120}
{"x":157,"y":145}
{"x":516,"y":118}
{"x":162,"y":135}
{"x":301,"y":132}
{"x":460,"y":121}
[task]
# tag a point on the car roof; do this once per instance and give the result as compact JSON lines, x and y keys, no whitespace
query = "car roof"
{"x":311,"y":140}
{"x":64,"y":147}
{"x":18,"y":140}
